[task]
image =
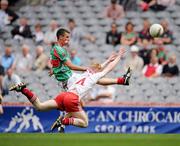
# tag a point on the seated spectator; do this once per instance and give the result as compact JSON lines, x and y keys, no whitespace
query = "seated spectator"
{"x":129,"y":5}
{"x":145,"y":52}
{"x":50,"y":35}
{"x":161,"y":52}
{"x":74,"y":58}
{"x":103,"y":94}
{"x":38,"y":34}
{"x":114,"y":11}
{"x":171,"y":68}
{"x":129,"y":36}
{"x":22,"y":30}
{"x":134,"y":61}
{"x":11,"y":16}
{"x":1,"y":109}
{"x":167,"y":36}
{"x":113,"y":36}
{"x":144,"y":33}
{"x":9,"y":80}
{"x":24,"y":60}
{"x":8,"y":59}
{"x":2,"y":73}
{"x":77,"y":34}
{"x":156,"y":5}
{"x":41,"y":59}
{"x":153,"y":69}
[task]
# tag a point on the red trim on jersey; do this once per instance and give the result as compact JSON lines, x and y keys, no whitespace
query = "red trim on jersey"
{"x":56,"y":54}
{"x":81,"y":82}
{"x":55,"y":62}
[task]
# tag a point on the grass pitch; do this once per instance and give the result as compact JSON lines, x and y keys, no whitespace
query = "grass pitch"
{"x":55,"y":139}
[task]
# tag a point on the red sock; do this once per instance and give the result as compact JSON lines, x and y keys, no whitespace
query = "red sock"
{"x":29,"y":94}
{"x":120,"y":80}
{"x":68,"y":121}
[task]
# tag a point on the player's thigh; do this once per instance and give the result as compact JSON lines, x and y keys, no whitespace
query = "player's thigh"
{"x":81,"y":115}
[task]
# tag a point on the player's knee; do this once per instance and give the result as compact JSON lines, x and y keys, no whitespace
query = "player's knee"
{"x":38,"y":108}
{"x":85,"y":124}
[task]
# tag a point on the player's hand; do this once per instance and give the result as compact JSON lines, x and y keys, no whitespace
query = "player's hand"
{"x":50,"y":72}
{"x":121,"y":52}
{"x":112,"y":57}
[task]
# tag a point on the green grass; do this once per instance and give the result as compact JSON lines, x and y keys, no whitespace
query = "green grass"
{"x":55,"y":139}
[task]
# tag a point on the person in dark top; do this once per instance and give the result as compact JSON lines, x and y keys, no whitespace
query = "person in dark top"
{"x":22,"y":30}
{"x":113,"y":37}
{"x":12,"y":16}
{"x":171,"y":69}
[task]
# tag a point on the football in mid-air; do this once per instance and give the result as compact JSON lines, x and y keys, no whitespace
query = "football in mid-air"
{"x":156,"y":30}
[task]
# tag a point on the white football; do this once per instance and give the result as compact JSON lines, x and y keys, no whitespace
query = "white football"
{"x":156,"y":30}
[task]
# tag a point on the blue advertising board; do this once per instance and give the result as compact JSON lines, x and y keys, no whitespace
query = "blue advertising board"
{"x":146,"y":120}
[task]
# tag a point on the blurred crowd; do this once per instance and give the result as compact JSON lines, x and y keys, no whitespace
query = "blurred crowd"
{"x":150,"y":62}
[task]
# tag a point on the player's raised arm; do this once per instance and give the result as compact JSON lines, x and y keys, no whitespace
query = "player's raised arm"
{"x":112,"y":64}
{"x":110,"y":59}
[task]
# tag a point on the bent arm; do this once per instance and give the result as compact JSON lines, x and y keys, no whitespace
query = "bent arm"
{"x":74,"y":67}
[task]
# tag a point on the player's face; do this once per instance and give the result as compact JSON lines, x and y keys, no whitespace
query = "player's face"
{"x":65,"y":39}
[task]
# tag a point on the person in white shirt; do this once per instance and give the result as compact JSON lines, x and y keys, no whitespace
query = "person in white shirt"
{"x":134,"y":61}
{"x":24,"y":60}
{"x":9,"y":79}
{"x":38,"y":34}
{"x":50,"y":35}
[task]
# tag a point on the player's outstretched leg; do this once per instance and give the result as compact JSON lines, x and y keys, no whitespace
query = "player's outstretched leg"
{"x":18,"y":87}
{"x":21,"y":87}
{"x":127,"y":76}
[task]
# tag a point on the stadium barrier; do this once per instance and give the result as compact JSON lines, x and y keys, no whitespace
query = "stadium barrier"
{"x":148,"y":120}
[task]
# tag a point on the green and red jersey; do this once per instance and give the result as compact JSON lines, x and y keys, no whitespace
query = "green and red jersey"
{"x":59,"y":56}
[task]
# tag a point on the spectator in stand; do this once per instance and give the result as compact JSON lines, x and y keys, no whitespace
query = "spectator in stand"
{"x":167,"y":36}
{"x":38,"y":34}
{"x":129,"y":37}
{"x":161,"y":52}
{"x":3,"y":20}
{"x":153,"y":69}
{"x":22,"y":30}
{"x":114,"y":11}
{"x":24,"y":60}
{"x":8,"y":59}
{"x":105,"y":94}
{"x":144,"y":33}
{"x":134,"y":61}
{"x":50,"y":35}
{"x":74,"y":58}
{"x":113,"y":36}
{"x":2,"y":73}
{"x":41,"y":59}
{"x":171,"y":69}
{"x":1,"y":109}
{"x":155,"y":5}
{"x":11,"y":16}
{"x":10,"y":79}
{"x":129,"y":5}
{"x":77,"y":34}
{"x":144,"y":53}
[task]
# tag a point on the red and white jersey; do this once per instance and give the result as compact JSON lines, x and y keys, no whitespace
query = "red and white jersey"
{"x":85,"y":82}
